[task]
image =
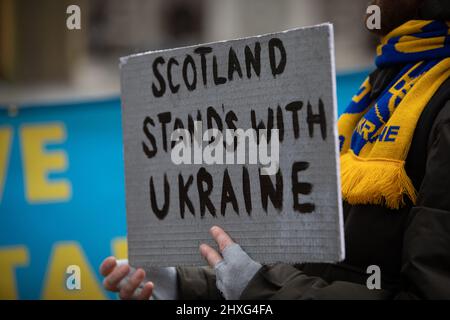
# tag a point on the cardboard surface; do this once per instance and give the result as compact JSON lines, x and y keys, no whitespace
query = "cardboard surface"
{"x":294,"y":216}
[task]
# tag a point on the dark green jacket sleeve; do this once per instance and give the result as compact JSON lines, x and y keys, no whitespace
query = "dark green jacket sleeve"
{"x":285,"y":282}
{"x":426,"y":252}
{"x":197,"y":284}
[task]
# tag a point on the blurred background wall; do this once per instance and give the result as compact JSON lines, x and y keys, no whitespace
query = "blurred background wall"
{"x":41,"y":60}
{"x":61,"y":165}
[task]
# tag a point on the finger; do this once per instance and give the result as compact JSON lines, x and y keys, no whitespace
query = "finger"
{"x":210,"y":255}
{"x":222,"y":238}
{"x":113,"y":279}
{"x":147,"y":291}
{"x":127,"y":290}
{"x":107,"y":266}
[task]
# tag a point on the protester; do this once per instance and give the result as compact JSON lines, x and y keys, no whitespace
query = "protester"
{"x":395,"y":158}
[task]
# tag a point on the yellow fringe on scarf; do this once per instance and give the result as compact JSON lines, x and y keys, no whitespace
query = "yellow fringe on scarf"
{"x":375,"y":181}
{"x":377,"y":175}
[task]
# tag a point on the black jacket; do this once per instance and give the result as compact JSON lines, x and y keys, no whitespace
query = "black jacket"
{"x":411,"y":246}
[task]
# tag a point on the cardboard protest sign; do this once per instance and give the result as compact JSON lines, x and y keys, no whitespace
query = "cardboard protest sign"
{"x":273,"y":186}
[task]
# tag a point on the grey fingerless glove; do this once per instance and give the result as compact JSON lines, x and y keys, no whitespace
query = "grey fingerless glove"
{"x":235,"y":271}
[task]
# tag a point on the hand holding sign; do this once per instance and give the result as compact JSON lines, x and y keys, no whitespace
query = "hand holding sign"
{"x":222,"y":239}
{"x":234,"y":268}
{"x":120,"y":278}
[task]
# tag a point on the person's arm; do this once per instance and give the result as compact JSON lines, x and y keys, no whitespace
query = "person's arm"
{"x":426,"y":252}
{"x":426,"y":268}
{"x":197,"y":283}
{"x":285,"y":282}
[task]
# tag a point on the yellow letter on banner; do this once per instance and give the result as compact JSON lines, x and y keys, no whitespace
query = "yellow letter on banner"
{"x":38,"y":163}
{"x":10,"y":259}
{"x":64,"y":255}
{"x":120,"y":248}
{"x":5,"y":146}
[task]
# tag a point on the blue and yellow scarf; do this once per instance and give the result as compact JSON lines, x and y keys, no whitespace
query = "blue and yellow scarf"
{"x":375,"y":136}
